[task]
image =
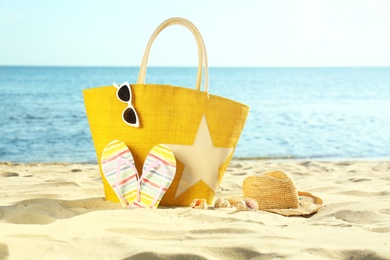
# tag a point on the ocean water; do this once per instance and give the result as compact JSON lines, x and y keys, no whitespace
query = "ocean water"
{"x":295,"y":112}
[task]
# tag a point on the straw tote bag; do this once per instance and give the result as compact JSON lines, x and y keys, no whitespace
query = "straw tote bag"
{"x":201,"y":129}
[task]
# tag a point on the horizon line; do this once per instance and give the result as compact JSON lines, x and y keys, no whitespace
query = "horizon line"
{"x":180,"y":66}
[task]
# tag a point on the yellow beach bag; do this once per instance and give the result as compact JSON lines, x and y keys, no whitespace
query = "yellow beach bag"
{"x":201,"y":129}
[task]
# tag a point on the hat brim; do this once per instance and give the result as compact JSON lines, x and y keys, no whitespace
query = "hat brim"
{"x":308,"y":205}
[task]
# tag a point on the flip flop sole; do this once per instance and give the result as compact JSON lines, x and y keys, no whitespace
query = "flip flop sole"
{"x":158,"y":172}
{"x":120,"y":172}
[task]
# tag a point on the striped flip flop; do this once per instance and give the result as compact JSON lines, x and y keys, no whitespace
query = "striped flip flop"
{"x":119,"y":170}
{"x":157,"y":175}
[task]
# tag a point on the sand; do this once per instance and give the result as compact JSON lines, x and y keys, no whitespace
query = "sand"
{"x":57,"y":211}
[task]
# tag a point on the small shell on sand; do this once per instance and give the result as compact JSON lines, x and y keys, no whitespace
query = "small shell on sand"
{"x":247,"y":205}
{"x":222,"y":203}
{"x":199,"y":204}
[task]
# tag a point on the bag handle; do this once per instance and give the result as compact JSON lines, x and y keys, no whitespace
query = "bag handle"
{"x":202,"y":55}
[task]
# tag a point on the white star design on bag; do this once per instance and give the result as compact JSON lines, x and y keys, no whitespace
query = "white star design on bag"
{"x":201,"y":160}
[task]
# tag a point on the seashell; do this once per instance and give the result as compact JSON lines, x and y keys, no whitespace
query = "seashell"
{"x":252,"y":204}
{"x":233,"y":200}
{"x":199,"y":204}
{"x":241,"y":206}
{"x":247,"y":205}
{"x":222,"y":203}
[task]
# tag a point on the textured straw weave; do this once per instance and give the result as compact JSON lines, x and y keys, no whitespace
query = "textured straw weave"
{"x":273,"y":190}
{"x":276,"y":192}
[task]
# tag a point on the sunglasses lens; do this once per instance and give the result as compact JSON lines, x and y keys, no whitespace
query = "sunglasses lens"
{"x":129,"y":116}
{"x":124,"y":93}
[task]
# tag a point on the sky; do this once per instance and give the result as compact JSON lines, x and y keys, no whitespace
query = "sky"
{"x":245,"y":33}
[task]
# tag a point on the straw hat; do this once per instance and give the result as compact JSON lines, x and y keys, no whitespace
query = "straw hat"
{"x":276,"y":192}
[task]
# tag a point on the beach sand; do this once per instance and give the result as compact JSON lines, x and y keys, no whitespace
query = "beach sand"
{"x":58,"y":211}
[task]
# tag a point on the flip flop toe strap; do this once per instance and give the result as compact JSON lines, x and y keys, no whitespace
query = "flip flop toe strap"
{"x":117,"y":177}
{"x":160,"y":164}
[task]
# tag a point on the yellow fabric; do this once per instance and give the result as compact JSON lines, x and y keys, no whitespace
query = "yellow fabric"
{"x":168,"y":115}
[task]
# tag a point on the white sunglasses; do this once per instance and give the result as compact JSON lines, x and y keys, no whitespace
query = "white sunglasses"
{"x":129,"y":115}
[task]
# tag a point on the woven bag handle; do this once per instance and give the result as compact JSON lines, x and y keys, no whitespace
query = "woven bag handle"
{"x":202,"y":55}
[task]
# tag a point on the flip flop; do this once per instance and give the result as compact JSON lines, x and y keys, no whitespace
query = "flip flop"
{"x":120,"y":172}
{"x":157,"y":175}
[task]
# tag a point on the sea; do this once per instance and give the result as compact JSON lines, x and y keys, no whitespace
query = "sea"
{"x":295,"y":113}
